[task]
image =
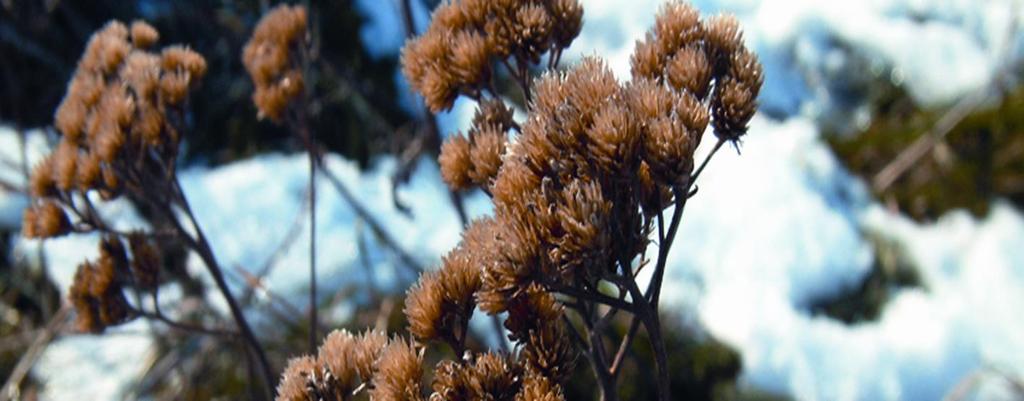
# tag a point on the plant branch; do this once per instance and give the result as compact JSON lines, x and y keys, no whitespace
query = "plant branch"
{"x":202,"y":247}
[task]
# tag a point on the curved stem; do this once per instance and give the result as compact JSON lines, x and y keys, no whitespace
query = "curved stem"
{"x":202,"y":247}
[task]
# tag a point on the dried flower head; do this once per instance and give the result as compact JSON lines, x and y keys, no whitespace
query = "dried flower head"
{"x":143,"y":34}
{"x":440,"y":305}
{"x":454,"y":56}
{"x":455,"y":162}
{"x":537,"y":387}
{"x":115,"y":137}
{"x":292,"y":386}
{"x":45,"y":219}
{"x":146,"y":261}
{"x":398,"y":373}
{"x":485,"y":155}
{"x":273,"y":58}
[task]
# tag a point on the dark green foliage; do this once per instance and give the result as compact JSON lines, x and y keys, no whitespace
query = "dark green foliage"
{"x":981,"y":159}
{"x":890,"y":272}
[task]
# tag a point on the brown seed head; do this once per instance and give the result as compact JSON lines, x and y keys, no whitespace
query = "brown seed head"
{"x":485,"y":155}
{"x":146,"y":261}
{"x":143,"y":34}
{"x":41,"y":183}
{"x":398,"y":373}
{"x":568,"y":21}
{"x":292,"y":386}
{"x":456,"y":163}
{"x":536,"y":387}
{"x":689,"y":70}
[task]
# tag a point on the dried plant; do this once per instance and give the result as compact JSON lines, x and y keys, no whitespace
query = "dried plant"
{"x":579,"y":191}
{"x":121,"y":122}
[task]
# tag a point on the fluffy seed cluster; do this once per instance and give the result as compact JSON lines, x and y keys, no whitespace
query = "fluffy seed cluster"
{"x":699,"y":57}
{"x":595,"y":158}
{"x":119,"y":125}
{"x":273,"y":59}
{"x":343,"y":362}
{"x":575,"y":190}
{"x":473,"y":160}
{"x":97,"y":293}
{"x":454,"y":57}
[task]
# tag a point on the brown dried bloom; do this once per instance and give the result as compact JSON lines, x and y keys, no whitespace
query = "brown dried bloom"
{"x":145,"y":264}
{"x":143,"y":34}
{"x":45,"y":220}
{"x":734,"y":100}
{"x":489,"y":376}
{"x":115,"y":136}
{"x":485,"y":155}
{"x":441,"y":303}
{"x":424,"y":307}
{"x":493,"y":112}
{"x":273,"y":58}
{"x":398,"y":373}
{"x":577,"y":190}
{"x":41,"y":183}
{"x":455,"y":162}
{"x":96,"y":292}
{"x":293,"y":381}
{"x":454,"y":56}
{"x":536,"y":387}
{"x":338,"y":353}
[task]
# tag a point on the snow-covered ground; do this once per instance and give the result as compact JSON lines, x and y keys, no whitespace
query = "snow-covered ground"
{"x":769,"y":230}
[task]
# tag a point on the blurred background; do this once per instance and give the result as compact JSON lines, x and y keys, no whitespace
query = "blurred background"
{"x":865,"y":242}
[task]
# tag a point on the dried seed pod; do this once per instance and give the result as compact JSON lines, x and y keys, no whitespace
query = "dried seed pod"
{"x":399,"y":370}
{"x":88,"y":169}
{"x":86,"y":309}
{"x":45,"y":220}
{"x":41,"y":183}
{"x":494,"y":377}
{"x":271,"y":61}
{"x":456,"y":163}
{"x":689,"y":70}
{"x":568,"y":21}
{"x":143,"y":34}
{"x":668,"y":150}
{"x":613,"y":139}
{"x":733,"y":104}
{"x":292,"y":386}
{"x":485,"y":155}
{"x":536,"y":387}
{"x":493,"y":112}
{"x":65,"y":160}
{"x":424,"y":307}
{"x":724,"y":38}
{"x":146,"y":261}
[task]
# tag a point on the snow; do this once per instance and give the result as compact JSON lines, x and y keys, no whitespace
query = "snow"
{"x":770,"y":229}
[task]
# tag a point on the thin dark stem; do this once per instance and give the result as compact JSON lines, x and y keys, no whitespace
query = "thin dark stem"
{"x":375,"y":226}
{"x":594,"y":296}
{"x":202,"y":247}
{"x":313,"y":329}
{"x":598,"y":358}
{"x":648,"y":315}
{"x":185,"y":326}
{"x":693,"y":177}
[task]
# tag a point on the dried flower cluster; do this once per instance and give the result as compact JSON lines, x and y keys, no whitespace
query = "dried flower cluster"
{"x":578,"y":191}
{"x":97,"y":292}
{"x":120,"y":129}
{"x":272,"y":58}
{"x":455,"y":56}
{"x":343,"y":362}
